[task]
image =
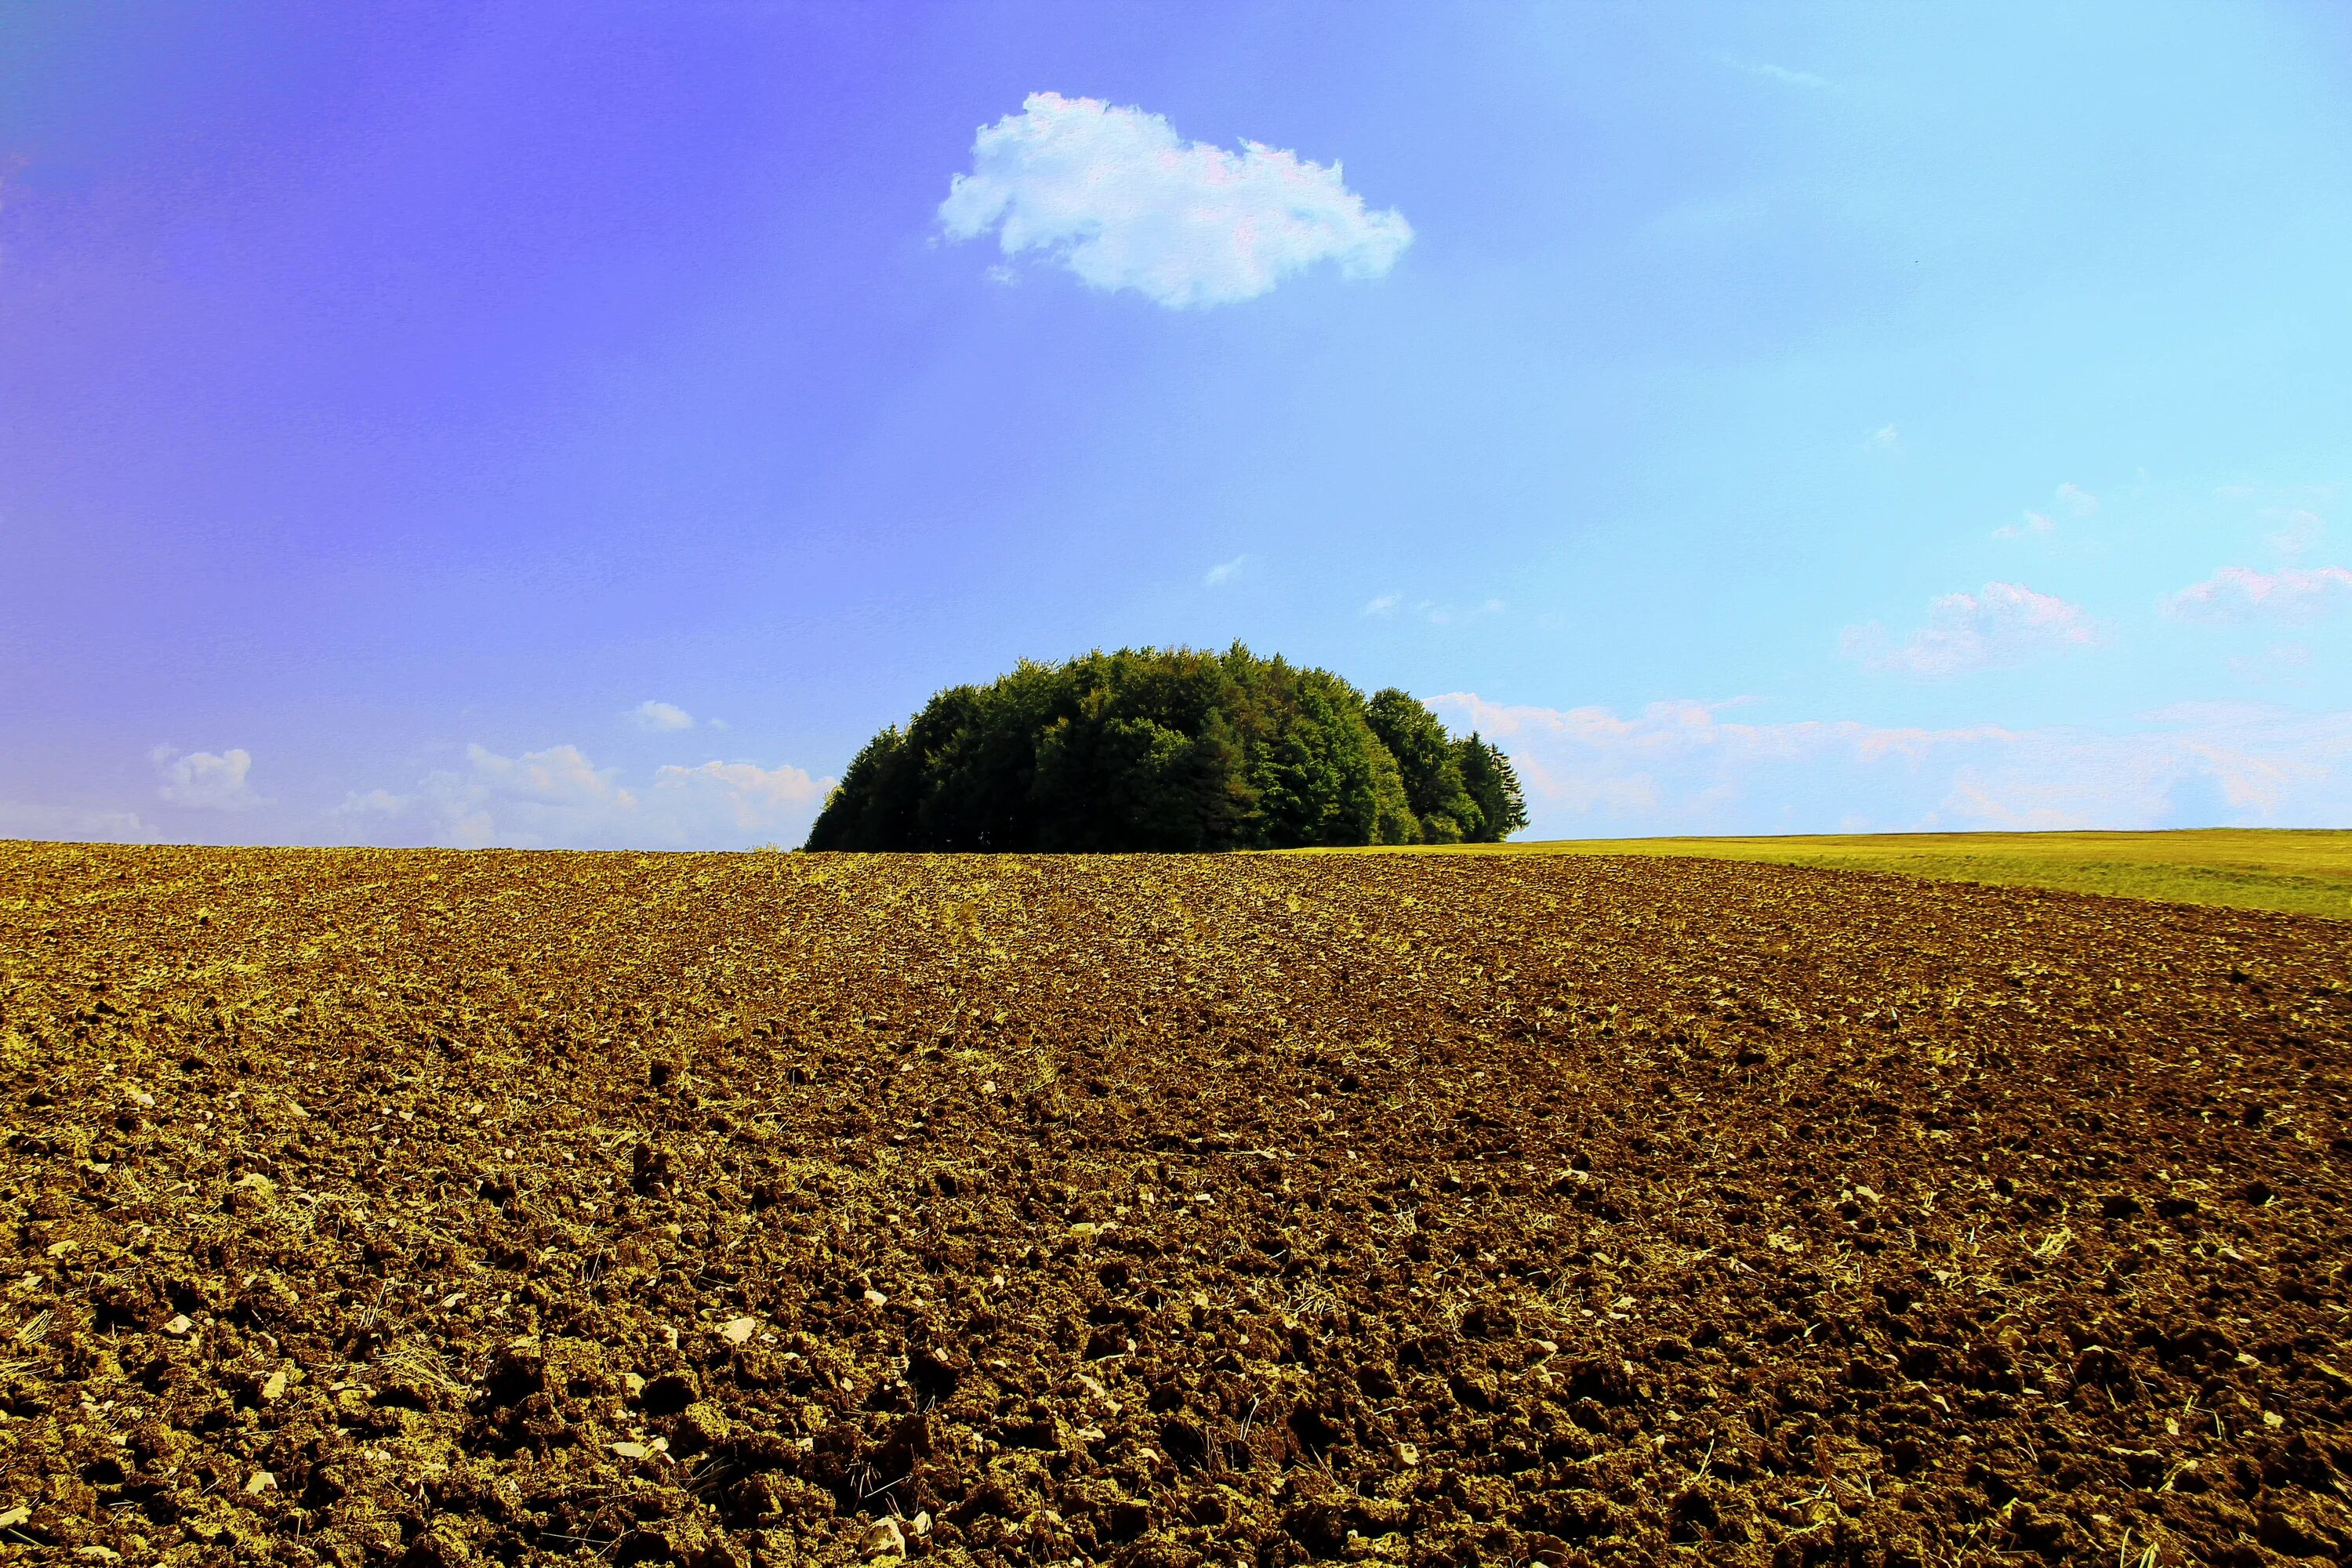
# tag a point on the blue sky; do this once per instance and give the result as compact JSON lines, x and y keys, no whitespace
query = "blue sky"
{"x":585,"y":424}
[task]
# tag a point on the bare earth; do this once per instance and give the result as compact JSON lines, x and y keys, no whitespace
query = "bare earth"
{"x":370,"y":1207}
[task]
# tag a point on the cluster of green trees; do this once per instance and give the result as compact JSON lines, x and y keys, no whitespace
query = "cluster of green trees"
{"x":1172,"y":749}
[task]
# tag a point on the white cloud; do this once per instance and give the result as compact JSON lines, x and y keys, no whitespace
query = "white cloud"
{"x":1118,"y":197}
{"x":1434,"y":611}
{"x":207,"y":781}
{"x":553,"y":796}
{"x":2240,"y":592}
{"x":1226,"y":570}
{"x":658,"y":716}
{"x":744,"y":795}
{"x":2004,"y":623}
{"x":2280,"y":664}
{"x":2303,"y":529}
{"x":560,"y":798}
{"x":373,"y":803}
{"x":2073,"y":497}
{"x":1885,"y":438}
{"x":1781,"y":74}
{"x":1686,"y":767}
{"x":71,"y":823}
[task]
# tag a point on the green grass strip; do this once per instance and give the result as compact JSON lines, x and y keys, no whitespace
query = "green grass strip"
{"x":2296,"y":870}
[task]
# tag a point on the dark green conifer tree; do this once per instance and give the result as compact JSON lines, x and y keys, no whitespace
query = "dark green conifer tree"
{"x":1494,"y":784}
{"x":1426,"y":755}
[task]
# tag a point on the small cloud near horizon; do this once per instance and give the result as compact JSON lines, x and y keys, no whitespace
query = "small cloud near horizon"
{"x":2304,"y":528}
{"x":2240,"y":592}
{"x":2070,"y":498}
{"x":207,"y":781}
{"x":1781,"y":74}
{"x":660,"y":716}
{"x":1225,"y":572}
{"x":373,"y":803}
{"x":1688,"y":766}
{"x":559,"y":797}
{"x":2076,"y":500}
{"x":2002,"y":625}
{"x":72,"y":823}
{"x":2280,"y":664}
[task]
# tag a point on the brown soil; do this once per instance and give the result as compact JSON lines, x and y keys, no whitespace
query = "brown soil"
{"x":369,"y":1206}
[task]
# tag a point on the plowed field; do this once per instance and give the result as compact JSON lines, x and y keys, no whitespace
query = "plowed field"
{"x":368,"y":1207}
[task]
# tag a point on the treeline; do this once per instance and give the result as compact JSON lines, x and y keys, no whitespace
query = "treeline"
{"x":1172,"y":749}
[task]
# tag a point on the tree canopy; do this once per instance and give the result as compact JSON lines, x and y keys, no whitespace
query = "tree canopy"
{"x":1169,"y":749}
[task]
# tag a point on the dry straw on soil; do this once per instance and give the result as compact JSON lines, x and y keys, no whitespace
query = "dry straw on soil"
{"x":436,"y":1208}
